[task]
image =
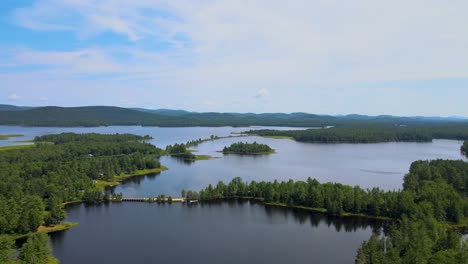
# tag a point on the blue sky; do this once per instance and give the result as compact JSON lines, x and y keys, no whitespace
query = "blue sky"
{"x":335,"y":57}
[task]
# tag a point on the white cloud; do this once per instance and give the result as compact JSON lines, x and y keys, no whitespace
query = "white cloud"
{"x":230,"y":48}
{"x":14,"y":96}
{"x":309,"y":42}
{"x":262,"y":93}
{"x":43,"y":98}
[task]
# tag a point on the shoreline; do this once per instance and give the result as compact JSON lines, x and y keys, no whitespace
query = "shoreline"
{"x":324,"y":211}
{"x":305,"y":208}
{"x":102,"y":185}
{"x":47,"y":229}
{"x":8,"y":136}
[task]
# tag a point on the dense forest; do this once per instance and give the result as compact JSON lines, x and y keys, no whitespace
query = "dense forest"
{"x":107,"y":115}
{"x":434,"y":193}
{"x":35,"y":250}
{"x":61,"y":168}
{"x":464,"y":147}
{"x":247,"y":148}
{"x":372,"y":134}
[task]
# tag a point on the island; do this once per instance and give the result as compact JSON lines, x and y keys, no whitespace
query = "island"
{"x":248,"y":149}
{"x":181,"y":151}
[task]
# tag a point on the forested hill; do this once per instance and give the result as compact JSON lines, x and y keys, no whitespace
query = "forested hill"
{"x":105,"y":115}
{"x":372,"y":134}
{"x":108,"y":115}
{"x":81,"y":116}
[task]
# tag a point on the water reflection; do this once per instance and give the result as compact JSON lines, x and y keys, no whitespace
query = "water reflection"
{"x":235,"y":231}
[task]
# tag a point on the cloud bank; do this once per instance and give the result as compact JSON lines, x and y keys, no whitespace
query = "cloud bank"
{"x":315,"y":56}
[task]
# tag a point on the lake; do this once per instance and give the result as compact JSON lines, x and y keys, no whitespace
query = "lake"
{"x":224,"y":232}
{"x":232,"y":232}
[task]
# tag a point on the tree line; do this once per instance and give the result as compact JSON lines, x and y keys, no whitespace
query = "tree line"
{"x":464,"y":147}
{"x":247,"y":148}
{"x":434,"y":193}
{"x":371,"y":134}
{"x":440,"y":183}
{"x":35,"y":250}
{"x":61,"y":169}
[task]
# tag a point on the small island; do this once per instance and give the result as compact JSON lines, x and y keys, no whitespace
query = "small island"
{"x":248,"y":149}
{"x":181,"y":151}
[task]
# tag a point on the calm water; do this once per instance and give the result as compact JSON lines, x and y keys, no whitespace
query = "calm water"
{"x":162,"y":136}
{"x":367,"y":165}
{"x":232,"y":232}
{"x":227,"y":232}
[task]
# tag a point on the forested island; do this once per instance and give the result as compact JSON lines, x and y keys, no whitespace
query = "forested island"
{"x":370,"y":134}
{"x":181,"y":151}
{"x":248,"y":149}
{"x":464,"y":148}
{"x":38,"y":179}
{"x":434,"y":194}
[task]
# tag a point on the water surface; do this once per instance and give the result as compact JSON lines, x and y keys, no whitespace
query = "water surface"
{"x":225,"y":232}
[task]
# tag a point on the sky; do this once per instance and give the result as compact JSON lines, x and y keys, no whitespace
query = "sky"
{"x":371,"y":57}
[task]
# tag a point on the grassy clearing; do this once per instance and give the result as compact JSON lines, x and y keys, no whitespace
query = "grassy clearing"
{"x":3,"y":148}
{"x":48,"y":229}
{"x":101,"y":185}
{"x":4,"y":137}
{"x":52,"y":260}
{"x":25,"y":141}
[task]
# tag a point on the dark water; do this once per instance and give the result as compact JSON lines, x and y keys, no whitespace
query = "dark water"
{"x":226,"y":232}
{"x":232,"y":232}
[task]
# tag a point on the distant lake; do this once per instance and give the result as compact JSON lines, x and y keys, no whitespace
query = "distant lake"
{"x":232,"y":232}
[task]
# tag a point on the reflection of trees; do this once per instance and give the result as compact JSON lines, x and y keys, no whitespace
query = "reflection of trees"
{"x":347,"y":224}
{"x":134,"y":180}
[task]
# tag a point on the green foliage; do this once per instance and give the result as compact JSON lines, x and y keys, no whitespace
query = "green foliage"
{"x":414,"y":240}
{"x":464,"y":148}
{"x":372,"y":133}
{"x":181,"y":151}
{"x":7,"y":249}
{"x":44,"y":176}
{"x":36,"y":250}
{"x":437,"y":186}
{"x":247,"y":148}
{"x":56,"y":212}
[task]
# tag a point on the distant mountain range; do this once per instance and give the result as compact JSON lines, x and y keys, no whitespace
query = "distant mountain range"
{"x":5,"y":107}
{"x":110,"y":115}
